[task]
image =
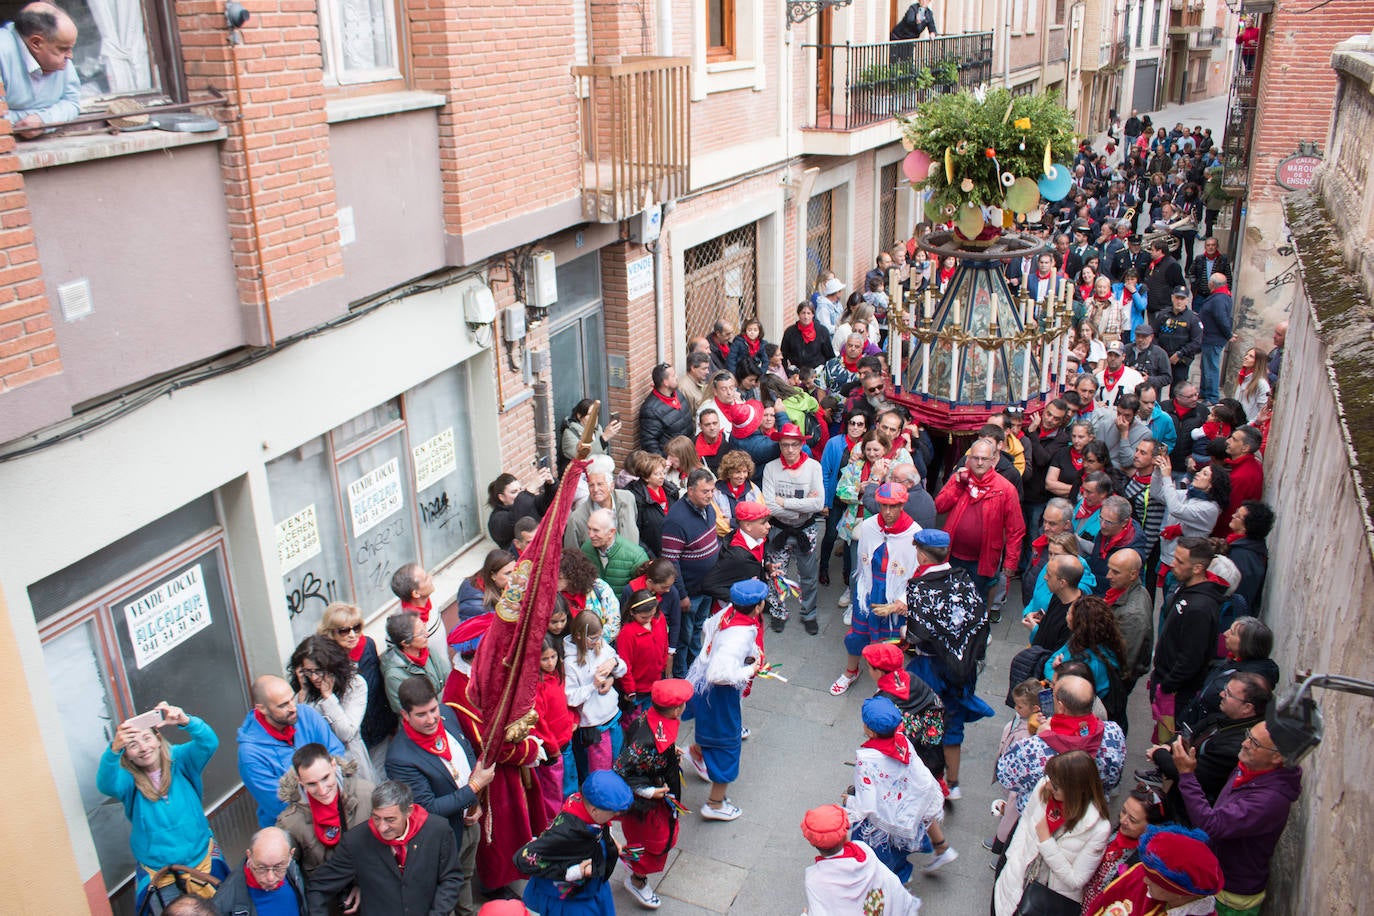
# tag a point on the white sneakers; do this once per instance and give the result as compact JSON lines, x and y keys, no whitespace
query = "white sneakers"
{"x":940,"y":861}
{"x":644,"y":896}
{"x":726,"y":812}
{"x":699,"y":767}
{"x":844,"y":600}
{"x":842,"y":683}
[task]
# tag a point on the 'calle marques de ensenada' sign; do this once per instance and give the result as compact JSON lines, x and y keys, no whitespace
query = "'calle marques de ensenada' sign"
{"x":1296,"y":172}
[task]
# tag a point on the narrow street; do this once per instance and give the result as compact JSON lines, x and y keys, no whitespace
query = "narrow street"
{"x":802,"y":740}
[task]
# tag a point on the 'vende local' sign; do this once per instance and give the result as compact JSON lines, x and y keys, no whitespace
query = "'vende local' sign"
{"x":164,"y":618}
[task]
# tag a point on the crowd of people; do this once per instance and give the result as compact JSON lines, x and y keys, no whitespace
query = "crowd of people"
{"x":1129,"y":507}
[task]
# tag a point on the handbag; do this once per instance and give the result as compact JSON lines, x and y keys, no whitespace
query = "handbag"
{"x":1039,"y":900}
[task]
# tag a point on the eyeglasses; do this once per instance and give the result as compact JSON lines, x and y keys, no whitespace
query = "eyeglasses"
{"x":1250,"y":737}
{"x":344,"y":631}
{"x":858,"y":421}
{"x":1226,"y":692}
{"x":269,"y":869}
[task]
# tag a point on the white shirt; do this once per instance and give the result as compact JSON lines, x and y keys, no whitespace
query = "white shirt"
{"x":458,"y":767}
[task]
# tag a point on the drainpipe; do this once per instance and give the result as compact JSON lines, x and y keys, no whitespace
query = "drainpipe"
{"x":1006,"y":44}
{"x":543,"y":419}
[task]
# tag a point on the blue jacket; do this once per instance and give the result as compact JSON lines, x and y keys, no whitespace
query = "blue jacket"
{"x":172,"y":831}
{"x":1162,"y":428}
{"x":263,"y":760}
{"x":834,"y":457}
{"x":427,"y":776}
{"x":470,"y":600}
{"x":1098,"y":564}
{"x":1096,"y":659}
{"x":1215,"y":315}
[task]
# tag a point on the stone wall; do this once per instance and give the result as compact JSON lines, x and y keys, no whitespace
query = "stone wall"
{"x":1320,"y":459}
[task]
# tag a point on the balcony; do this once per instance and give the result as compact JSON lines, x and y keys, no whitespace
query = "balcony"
{"x":1185,"y":18}
{"x":636,"y":135}
{"x":1240,"y":128}
{"x":860,"y":89}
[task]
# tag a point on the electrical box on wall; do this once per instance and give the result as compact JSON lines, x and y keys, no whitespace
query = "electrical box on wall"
{"x":479,"y":305}
{"x":646,"y":225}
{"x":541,"y":280}
{"x":514,"y":322}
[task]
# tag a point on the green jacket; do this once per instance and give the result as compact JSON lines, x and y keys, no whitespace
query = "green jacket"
{"x":622,"y":560}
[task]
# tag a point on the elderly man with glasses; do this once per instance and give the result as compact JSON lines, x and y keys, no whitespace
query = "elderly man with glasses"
{"x":268,"y":882}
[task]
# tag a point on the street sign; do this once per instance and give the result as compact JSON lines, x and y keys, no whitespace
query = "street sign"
{"x":1296,"y":172}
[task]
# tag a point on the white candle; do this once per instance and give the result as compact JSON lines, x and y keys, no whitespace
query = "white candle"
{"x":894,"y":356}
{"x":1063,"y":359}
{"x":989,"y":360}
{"x":925,"y":368}
{"x":1025,"y":373}
{"x":927,"y":312}
{"x":1045,"y":368}
{"x":953,"y":371}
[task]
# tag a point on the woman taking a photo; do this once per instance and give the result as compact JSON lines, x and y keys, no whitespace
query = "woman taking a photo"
{"x":509,"y":503}
{"x":572,"y":428}
{"x":1058,"y":841}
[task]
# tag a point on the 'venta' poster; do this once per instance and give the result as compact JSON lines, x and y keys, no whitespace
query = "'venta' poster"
{"x":164,"y":618}
{"x":374,"y":496}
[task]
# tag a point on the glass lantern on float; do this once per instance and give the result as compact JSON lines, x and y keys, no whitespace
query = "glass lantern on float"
{"x":982,"y":160}
{"x":979,"y":348}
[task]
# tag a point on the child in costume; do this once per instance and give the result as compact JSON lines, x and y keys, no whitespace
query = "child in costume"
{"x":732,"y":654}
{"x":848,"y":878}
{"x":886,"y":559}
{"x":649,"y":763}
{"x":643,"y":644}
{"x":570,"y":863}
{"x":1177,"y":875}
{"x":895,"y":801}
{"x":923,"y":715}
{"x":554,"y":728}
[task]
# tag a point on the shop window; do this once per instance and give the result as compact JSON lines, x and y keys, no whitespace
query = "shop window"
{"x":160,"y":624}
{"x":361,"y":41}
{"x":395,"y":484}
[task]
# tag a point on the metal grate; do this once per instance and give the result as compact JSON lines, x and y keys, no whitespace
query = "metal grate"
{"x":721,"y":280}
{"x":887,"y":208}
{"x":819,"y":236}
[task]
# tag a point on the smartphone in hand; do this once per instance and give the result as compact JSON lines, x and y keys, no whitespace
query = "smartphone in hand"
{"x":1047,"y":702}
{"x":150,"y":719}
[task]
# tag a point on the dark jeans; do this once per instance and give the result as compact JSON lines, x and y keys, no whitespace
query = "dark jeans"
{"x":832,"y":534}
{"x":1180,"y":371}
{"x":982,"y":583}
{"x":689,"y":638}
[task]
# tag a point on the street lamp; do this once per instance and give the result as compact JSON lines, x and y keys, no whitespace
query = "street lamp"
{"x":1295,"y":721}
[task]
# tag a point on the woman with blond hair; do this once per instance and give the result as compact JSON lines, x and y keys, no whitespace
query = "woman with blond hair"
{"x":343,"y":623}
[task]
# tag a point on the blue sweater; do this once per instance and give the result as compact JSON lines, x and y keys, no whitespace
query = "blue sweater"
{"x":690,"y":543}
{"x":263,"y":760}
{"x":172,"y":831}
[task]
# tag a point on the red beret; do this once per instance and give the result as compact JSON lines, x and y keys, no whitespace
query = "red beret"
{"x":503,"y":908}
{"x":825,"y":827}
{"x":884,"y":656}
{"x":670,"y":691}
{"x":750,"y":511}
{"x":466,"y":635}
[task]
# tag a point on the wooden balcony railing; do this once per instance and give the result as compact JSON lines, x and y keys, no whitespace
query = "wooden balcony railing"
{"x":636,"y":135}
{"x":859,"y":85}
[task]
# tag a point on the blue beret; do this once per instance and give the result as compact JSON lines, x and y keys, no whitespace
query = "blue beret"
{"x":932,"y":537}
{"x":882,"y":715}
{"x":748,"y":593}
{"x":607,"y":790}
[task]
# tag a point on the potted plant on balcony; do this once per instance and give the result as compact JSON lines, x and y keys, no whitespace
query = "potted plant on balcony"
{"x":886,"y":88}
{"x":985,"y":156}
{"x":946,"y":72}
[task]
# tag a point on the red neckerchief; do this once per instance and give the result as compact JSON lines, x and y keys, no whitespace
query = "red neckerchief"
{"x":903,"y":523}
{"x":1103,"y":299}
{"x":738,"y":540}
{"x":1237,"y":462}
{"x":807,"y":331}
{"x":1244,"y":774}
{"x":897,"y":445}
{"x":801,"y":459}
{"x":1038,"y":547}
{"x":1041,"y":276}
{"x":753,"y":345}
{"x":734,"y":618}
{"x":641,"y":582}
{"x":1119,"y":846}
{"x":674,"y":402}
{"x":1084,"y":511}
{"x":865,"y":471}
{"x":897,"y":683}
{"x":1054,"y":814}
{"x":436,"y":744}
{"x":1074,"y":726}
{"x":664,"y":729}
{"x":894,"y":745}
{"x":421,"y":659}
{"x":1076,"y":458}
{"x":1221,"y":289}
{"x":576,"y":603}
{"x":1233,"y":657}
{"x":658,"y":495}
{"x":356,"y":653}
{"x":707,"y":449}
{"x":978,"y":487}
{"x":1234,"y":536}
{"x":1143,"y":481}
{"x":737,"y":491}
{"x":850,"y":443}
{"x":285,"y":735}
{"x":420,"y":609}
{"x":418,"y":816}
{"x":1180,"y":410}
{"x":850,"y":851}
{"x":1242,"y":375}
{"x":1064,"y":264}
{"x":1113,"y":595}
{"x":252,"y":881}
{"x":723,"y":348}
{"x":923,"y":568}
{"x":1084,"y":291}
{"x":849,"y":367}
{"x":1155,"y":261}
{"x":327,"y":819}
{"x":1123,"y":537}
{"x":1110,"y":378}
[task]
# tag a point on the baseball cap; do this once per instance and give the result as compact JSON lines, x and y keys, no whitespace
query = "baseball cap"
{"x":1115,"y":347}
{"x":1181,"y":291}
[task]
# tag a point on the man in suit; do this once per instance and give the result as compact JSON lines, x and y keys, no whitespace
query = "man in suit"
{"x":430,"y":755}
{"x":1018,"y":269}
{"x":403,"y":860}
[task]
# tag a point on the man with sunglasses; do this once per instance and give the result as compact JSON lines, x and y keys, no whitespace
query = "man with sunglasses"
{"x":1248,"y":818}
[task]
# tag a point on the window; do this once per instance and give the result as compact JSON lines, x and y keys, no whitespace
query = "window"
{"x":577,"y":335}
{"x":1154,"y":23}
{"x":819,"y":248}
{"x":721,"y":280}
{"x":394,"y":485}
{"x":720,"y":29}
{"x":1018,"y":16}
{"x":887,"y":207}
{"x":1032,"y":16}
{"x":121,"y":48}
{"x":360,"y":40}
{"x":1059,"y":8}
{"x":1140,"y":25}
{"x":148,"y":622}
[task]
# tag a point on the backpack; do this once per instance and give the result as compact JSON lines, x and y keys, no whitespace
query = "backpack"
{"x":1027,"y":664}
{"x":1117,"y":691}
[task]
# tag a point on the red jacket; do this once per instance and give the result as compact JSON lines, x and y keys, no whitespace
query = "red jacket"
{"x":645,"y":653}
{"x":1247,"y":482}
{"x":556,"y":721}
{"x":1003,"y":526}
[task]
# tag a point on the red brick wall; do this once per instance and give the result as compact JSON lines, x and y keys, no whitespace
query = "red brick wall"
{"x":28,"y":344}
{"x":279,"y":184}
{"x":1297,"y":85}
{"x":631,"y":331}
